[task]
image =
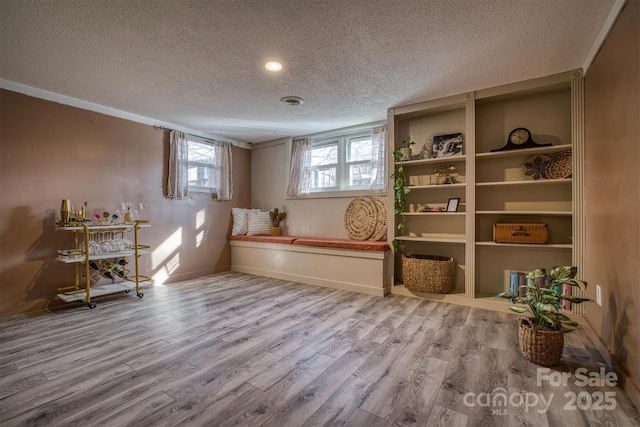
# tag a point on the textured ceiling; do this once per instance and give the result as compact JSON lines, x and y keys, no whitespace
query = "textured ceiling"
{"x":199,"y":64}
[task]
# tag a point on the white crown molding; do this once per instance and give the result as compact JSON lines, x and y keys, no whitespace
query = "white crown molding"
{"x":97,"y":108}
{"x":604,"y":32}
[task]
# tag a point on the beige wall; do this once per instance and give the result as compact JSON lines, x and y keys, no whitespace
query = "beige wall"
{"x":50,"y":152}
{"x":305,"y":217}
{"x":612,"y":89}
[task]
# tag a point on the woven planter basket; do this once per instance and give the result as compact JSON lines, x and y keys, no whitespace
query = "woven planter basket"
{"x":427,"y":273}
{"x":543,"y":348}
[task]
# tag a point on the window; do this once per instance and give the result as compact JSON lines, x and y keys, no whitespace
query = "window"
{"x":342,"y":163}
{"x":201,"y":166}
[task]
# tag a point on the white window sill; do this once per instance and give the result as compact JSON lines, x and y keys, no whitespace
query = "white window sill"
{"x":337,"y":194}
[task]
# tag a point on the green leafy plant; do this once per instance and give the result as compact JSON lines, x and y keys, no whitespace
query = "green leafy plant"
{"x":544,"y":302}
{"x":401,"y":190}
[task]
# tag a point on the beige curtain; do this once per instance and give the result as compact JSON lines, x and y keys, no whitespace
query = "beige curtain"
{"x":379,"y":178}
{"x":177,"y":183}
{"x":300,"y":169}
{"x":224,"y":181}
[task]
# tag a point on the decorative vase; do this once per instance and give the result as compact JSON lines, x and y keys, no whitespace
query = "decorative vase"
{"x":542,"y":347}
{"x":65,"y":211}
{"x":274,"y":231}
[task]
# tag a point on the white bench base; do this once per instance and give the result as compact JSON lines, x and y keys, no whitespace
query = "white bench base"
{"x":351,"y":270}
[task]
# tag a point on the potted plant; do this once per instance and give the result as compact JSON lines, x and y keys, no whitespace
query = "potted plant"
{"x":400,"y":188}
{"x":541,"y":336}
{"x":276,"y":217}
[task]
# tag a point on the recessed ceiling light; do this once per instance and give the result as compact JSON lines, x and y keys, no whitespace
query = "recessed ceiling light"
{"x":292,"y":100}
{"x":273,"y":66}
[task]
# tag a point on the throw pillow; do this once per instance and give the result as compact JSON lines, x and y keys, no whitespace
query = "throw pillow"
{"x":258,"y":223}
{"x":239,"y":215}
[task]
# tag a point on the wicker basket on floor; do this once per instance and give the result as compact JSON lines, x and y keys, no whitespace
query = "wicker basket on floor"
{"x":543,"y":348}
{"x":427,"y":273}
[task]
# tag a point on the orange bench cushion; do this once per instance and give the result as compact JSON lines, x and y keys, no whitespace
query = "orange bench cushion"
{"x":266,"y":239}
{"x":360,"y":245}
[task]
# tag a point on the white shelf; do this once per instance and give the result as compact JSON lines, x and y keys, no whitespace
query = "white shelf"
{"x":523,"y":152}
{"x":497,"y":304}
{"x":531,"y":182}
{"x":527,"y":245}
{"x":437,"y":187}
{"x":439,"y":160}
{"x":102,"y":256}
{"x":434,"y":238}
{"x":97,"y":291}
{"x":541,"y":213}
{"x":491,"y":183}
{"x":105,"y":227}
{"x":435,"y":213}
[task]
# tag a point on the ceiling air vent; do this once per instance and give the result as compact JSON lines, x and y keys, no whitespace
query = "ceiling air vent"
{"x":292,"y":100}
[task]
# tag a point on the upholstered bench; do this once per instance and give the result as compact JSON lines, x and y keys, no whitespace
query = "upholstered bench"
{"x":353,"y":265}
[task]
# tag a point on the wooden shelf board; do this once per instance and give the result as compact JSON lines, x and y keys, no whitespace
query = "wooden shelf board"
{"x":435,"y":238}
{"x":523,"y":152}
{"x":100,"y":290}
{"x":437,"y":187}
{"x":525,"y":245}
{"x":435,"y":213}
{"x":452,"y":159}
{"x":547,"y":213}
{"x":531,"y":182}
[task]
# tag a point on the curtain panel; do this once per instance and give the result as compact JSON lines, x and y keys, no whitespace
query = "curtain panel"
{"x":177,"y":182}
{"x":300,"y":170}
{"x":379,"y":179}
{"x":224,"y":181}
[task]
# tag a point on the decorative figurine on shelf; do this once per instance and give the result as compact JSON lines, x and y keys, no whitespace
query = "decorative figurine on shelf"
{"x":519,"y":138}
{"x":445,"y":174}
{"x":276,"y":218}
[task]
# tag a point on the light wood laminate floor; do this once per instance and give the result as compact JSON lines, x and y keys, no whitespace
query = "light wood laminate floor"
{"x":235,"y":349}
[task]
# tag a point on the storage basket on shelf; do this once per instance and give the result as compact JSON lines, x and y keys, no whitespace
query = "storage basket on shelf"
{"x":521,"y":233}
{"x":427,"y":273}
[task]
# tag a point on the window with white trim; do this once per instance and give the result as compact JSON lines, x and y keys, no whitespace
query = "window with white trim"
{"x":202,"y":169}
{"x":342,"y":163}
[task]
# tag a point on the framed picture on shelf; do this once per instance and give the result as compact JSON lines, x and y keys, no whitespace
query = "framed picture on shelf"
{"x":447,"y":145}
{"x":452,"y":205}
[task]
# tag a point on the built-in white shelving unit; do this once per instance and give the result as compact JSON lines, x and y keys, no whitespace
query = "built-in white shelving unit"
{"x":491,"y":185}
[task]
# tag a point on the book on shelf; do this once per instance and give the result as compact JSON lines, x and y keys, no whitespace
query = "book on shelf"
{"x":544,"y":282}
{"x":522,"y":282}
{"x":566,"y":290}
{"x":513,"y":282}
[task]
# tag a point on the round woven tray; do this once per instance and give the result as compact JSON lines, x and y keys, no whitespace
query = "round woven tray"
{"x":560,"y":166}
{"x":543,"y":348}
{"x":381,"y":221}
{"x":360,"y":218}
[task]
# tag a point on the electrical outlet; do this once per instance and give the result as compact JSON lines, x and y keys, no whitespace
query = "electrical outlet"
{"x":598,"y":295}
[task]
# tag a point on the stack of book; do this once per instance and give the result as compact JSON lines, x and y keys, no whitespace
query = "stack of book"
{"x":518,"y":279}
